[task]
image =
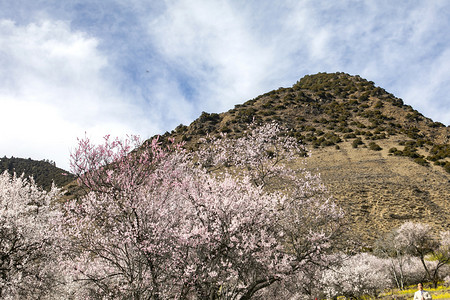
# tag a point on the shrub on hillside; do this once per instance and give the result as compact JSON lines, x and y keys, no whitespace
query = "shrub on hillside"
{"x":440,"y":151}
{"x":364,"y":97}
{"x":349,"y":136}
{"x":213,"y":117}
{"x":421,"y":161}
{"x":375,"y":147}
{"x":356,"y":142}
{"x":436,"y":125}
{"x":395,"y":151}
{"x":379,"y":104}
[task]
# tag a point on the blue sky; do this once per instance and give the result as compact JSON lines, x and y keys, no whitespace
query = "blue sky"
{"x":143,"y":67}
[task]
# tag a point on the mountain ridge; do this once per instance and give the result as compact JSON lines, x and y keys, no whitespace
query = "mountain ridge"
{"x":383,"y":161}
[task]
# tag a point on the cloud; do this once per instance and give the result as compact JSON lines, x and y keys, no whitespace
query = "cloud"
{"x":132,"y":67}
{"x":229,"y":52}
{"x":54,"y":81}
{"x":213,"y":47}
{"x":429,"y":92}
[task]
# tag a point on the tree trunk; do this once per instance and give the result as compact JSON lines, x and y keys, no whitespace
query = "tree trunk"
{"x":259,"y":284}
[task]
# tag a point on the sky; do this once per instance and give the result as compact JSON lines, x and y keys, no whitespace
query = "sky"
{"x":75,"y":68}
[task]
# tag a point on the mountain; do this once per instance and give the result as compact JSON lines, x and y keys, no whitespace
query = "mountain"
{"x":44,"y":172}
{"x":383,"y":161}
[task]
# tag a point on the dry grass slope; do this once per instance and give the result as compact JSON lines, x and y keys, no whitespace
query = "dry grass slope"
{"x":380,"y":192}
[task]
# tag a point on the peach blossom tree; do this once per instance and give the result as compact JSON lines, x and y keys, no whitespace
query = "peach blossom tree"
{"x":158,"y":222}
{"x":26,"y":242}
{"x":418,"y":240}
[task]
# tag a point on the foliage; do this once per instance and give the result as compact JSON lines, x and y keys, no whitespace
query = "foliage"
{"x":410,"y":150}
{"x":205,"y":117}
{"x":339,"y":83}
{"x":44,"y":172}
{"x":421,"y":161}
{"x":375,"y":147}
{"x":357,"y":142}
{"x":439,"y":151}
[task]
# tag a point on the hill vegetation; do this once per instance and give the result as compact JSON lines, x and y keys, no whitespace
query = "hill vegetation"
{"x":44,"y":172}
{"x":326,"y":110}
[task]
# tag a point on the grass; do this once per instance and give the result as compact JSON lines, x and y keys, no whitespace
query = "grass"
{"x":441,"y":292}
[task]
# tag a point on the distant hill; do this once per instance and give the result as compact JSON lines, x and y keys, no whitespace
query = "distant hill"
{"x":384,"y":161}
{"x":44,"y":172}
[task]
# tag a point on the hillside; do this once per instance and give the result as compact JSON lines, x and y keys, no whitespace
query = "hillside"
{"x":44,"y":172}
{"x":384,"y":162}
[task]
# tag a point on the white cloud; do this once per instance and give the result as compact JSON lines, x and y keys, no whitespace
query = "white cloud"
{"x":89,"y":73}
{"x":214,"y":46}
{"x":55,"y":87}
{"x":229,"y":52}
{"x":426,"y":93}
{"x":169,"y":107}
